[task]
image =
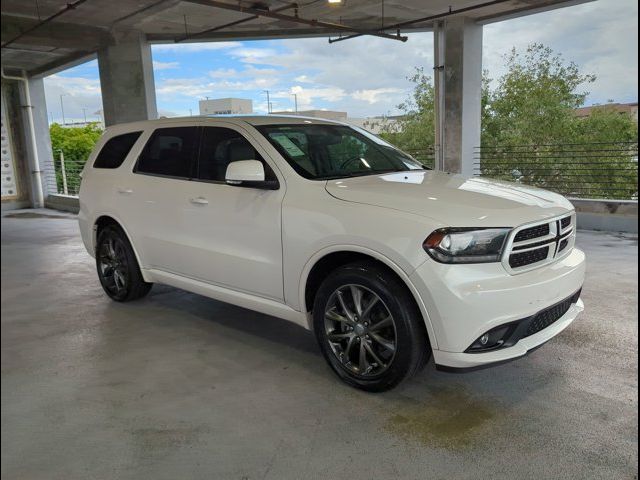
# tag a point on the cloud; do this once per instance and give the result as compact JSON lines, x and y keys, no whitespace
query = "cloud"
{"x":77,"y":92}
{"x":601,"y":37}
{"x":165,"y":65}
{"x":375,"y":95}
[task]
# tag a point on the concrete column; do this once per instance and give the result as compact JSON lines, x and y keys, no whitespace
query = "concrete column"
{"x":26,"y":107}
{"x":126,"y":79}
{"x":460,"y":93}
{"x":43,"y":140}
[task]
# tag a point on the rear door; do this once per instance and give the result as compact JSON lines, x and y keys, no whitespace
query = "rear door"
{"x":151,"y":198}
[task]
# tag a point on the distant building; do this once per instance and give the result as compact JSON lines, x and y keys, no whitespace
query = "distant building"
{"x":226,"y":106}
{"x":97,"y":123}
{"x":372,"y":124}
{"x":628,"y":108}
{"x":328,"y":114}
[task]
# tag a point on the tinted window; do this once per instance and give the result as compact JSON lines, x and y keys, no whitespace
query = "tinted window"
{"x":221,"y":146}
{"x":320,"y":151}
{"x":170,"y":152}
{"x":116,"y":150}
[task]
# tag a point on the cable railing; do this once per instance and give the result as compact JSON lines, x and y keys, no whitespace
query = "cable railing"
{"x":585,"y":170}
{"x":67,"y":172}
{"x":579,"y":170}
{"x":426,"y":156}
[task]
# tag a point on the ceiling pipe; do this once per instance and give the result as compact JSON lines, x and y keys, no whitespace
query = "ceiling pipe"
{"x":296,"y":19}
{"x":232,"y":24}
{"x":70,"y":6}
{"x":38,"y":195}
{"x":450,"y":12}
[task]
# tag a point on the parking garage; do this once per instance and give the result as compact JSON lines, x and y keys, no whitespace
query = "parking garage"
{"x":180,"y":386}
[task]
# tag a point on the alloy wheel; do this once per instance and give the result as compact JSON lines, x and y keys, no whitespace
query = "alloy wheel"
{"x":360,"y":330}
{"x":112,"y":260}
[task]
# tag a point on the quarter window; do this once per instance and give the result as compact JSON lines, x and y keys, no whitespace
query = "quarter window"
{"x":116,"y":150}
{"x":169,"y":152}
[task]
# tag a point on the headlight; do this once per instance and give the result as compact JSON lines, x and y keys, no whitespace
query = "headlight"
{"x":466,"y":245}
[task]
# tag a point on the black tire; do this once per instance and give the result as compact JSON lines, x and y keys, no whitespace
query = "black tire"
{"x":117,"y":266}
{"x":411,"y":349}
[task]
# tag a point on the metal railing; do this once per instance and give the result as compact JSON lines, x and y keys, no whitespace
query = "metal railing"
{"x":67,"y":172}
{"x":426,"y":156}
{"x":585,"y":170}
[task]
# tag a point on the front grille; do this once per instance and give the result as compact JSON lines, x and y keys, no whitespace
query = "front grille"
{"x":549,"y":316}
{"x":532,"y":232}
{"x":527,"y":258}
{"x":540,"y":244}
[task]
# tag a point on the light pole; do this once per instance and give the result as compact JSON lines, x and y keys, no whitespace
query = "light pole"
{"x":295,"y":98}
{"x":62,"y":108}
{"x":268,"y":101}
{"x":84,"y":113}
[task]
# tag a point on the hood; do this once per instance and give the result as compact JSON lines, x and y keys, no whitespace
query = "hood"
{"x":452,"y":200}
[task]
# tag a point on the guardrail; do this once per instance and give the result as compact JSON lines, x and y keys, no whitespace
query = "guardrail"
{"x":591,"y":170}
{"x":585,"y":170}
{"x":68,"y":172}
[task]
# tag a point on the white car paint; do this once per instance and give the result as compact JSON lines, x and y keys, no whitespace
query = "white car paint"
{"x":255,"y":248}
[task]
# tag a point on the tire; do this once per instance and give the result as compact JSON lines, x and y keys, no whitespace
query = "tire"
{"x":117,"y":267}
{"x":394,"y":350}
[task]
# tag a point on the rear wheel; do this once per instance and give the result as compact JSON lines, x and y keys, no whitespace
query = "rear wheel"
{"x":369,"y":328}
{"x":117,"y":266}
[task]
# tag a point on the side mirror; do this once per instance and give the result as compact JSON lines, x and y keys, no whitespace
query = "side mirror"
{"x":248,"y":173}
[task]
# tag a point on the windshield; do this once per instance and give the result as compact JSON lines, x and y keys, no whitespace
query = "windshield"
{"x":322,"y":152}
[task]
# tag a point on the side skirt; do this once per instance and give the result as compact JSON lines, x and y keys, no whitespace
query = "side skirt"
{"x":241,"y":299}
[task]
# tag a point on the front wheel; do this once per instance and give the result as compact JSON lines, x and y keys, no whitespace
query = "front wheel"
{"x":117,"y":266}
{"x":369,"y":329}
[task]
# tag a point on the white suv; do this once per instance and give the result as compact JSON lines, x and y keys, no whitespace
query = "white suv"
{"x":332,"y":228}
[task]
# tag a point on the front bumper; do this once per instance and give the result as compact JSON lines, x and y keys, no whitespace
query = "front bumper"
{"x":450,"y":361}
{"x":465,"y":301}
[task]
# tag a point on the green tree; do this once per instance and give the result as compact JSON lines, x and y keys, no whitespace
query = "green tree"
{"x":534,"y":101}
{"x":76,"y":143}
{"x":414,"y":130}
{"x":530,"y":132}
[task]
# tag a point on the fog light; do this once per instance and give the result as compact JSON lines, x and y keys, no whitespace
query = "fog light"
{"x":493,"y":339}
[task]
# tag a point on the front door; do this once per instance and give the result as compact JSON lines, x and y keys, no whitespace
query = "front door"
{"x":232,"y":236}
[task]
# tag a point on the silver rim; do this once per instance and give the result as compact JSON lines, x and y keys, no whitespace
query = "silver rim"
{"x":113,"y":265}
{"x":360,"y":330}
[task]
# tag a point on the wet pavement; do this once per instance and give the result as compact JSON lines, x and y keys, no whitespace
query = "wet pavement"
{"x":181,"y":386}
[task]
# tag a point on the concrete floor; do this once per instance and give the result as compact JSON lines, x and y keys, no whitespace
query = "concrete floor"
{"x":179,"y":386}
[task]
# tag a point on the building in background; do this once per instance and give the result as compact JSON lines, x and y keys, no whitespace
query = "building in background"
{"x":372,"y":124}
{"x":328,"y":114}
{"x":623,"y":108}
{"x":226,"y":106}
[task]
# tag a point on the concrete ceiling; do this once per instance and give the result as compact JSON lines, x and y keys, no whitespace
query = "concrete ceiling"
{"x":77,"y":33}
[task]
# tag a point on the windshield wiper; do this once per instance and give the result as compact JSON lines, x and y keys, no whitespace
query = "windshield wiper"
{"x":358,"y":174}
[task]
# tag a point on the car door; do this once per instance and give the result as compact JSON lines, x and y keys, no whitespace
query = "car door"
{"x":233,"y":234}
{"x":150,"y":199}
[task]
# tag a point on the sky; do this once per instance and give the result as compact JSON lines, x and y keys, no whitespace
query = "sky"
{"x":365,"y":76}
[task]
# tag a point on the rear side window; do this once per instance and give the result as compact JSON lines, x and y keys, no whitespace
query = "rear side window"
{"x":116,"y":150}
{"x":169,"y":152}
{"x":221,"y":146}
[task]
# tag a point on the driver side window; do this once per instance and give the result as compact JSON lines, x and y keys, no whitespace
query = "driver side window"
{"x":221,"y":146}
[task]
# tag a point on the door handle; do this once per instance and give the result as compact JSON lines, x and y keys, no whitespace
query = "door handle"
{"x":199,"y":201}
{"x":125,"y":191}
